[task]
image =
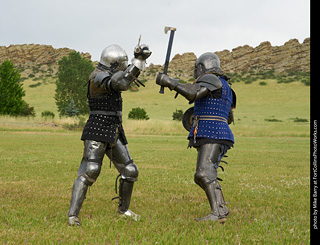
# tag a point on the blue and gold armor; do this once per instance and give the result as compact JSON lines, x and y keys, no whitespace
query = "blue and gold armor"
{"x":208,"y":126}
{"x":211,"y":116}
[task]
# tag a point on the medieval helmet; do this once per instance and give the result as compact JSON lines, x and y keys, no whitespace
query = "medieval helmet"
{"x":114,"y":57}
{"x":206,"y":62}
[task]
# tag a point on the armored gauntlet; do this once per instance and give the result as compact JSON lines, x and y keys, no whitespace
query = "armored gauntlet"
{"x":141,"y":53}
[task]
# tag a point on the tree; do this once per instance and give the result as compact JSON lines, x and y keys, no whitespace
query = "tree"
{"x":71,"y":110}
{"x":11,"y":90}
{"x":73,"y":74}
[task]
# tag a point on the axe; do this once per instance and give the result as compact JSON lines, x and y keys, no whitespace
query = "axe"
{"x":166,"y":64}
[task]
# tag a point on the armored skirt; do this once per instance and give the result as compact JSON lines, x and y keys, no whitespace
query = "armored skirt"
{"x":103,"y":128}
{"x":105,"y":120}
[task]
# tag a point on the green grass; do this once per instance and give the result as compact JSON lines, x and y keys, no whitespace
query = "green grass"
{"x":267,"y":179}
{"x":255,"y":104}
{"x":41,"y":97}
{"x":266,"y":182}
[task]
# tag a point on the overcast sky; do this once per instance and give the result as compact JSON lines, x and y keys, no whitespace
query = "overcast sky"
{"x":202,"y":25}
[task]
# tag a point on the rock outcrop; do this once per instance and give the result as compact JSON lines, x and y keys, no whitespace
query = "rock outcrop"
{"x":31,"y":57}
{"x":292,"y":56}
{"x":34,"y":54}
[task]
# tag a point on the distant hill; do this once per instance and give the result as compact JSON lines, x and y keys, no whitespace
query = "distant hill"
{"x":38,"y":61}
{"x":292,"y":56}
{"x":35,"y":60}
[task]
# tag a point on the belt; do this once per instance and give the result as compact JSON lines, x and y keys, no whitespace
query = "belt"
{"x":108,"y":113}
{"x":205,"y":117}
{"x":212,"y":118}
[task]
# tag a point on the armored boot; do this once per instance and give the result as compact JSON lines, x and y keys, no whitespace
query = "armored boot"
{"x":79,"y":191}
{"x":219,"y":210}
{"x":125,"y":193}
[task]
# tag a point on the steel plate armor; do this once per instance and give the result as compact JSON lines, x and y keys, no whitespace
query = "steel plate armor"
{"x":206,"y":62}
{"x":103,"y":133}
{"x":209,"y":134}
{"x":114,"y":57}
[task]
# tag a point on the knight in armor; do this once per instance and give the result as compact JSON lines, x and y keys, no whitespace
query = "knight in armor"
{"x":103,"y":132}
{"x":209,"y":130}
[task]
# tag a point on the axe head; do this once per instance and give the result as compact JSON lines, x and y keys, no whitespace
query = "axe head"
{"x":167,"y":28}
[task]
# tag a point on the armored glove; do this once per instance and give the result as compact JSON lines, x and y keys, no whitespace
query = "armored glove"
{"x":141,"y":53}
{"x":165,"y":81}
{"x":190,"y":91}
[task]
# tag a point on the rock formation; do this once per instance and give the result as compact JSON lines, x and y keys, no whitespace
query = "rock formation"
{"x":292,"y":56}
{"x":34,"y":53}
{"x":31,"y":57}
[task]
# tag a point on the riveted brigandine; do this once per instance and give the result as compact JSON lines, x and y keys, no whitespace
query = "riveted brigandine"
{"x":103,"y":132}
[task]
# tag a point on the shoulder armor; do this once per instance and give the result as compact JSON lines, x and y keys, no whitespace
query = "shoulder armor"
{"x":210,"y":81}
{"x":98,"y":80}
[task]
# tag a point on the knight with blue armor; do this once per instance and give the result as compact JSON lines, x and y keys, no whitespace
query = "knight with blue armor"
{"x":209,"y":130}
{"x":103,"y":132}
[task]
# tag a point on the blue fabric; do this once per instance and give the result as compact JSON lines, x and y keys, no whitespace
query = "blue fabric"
{"x":217,"y":109}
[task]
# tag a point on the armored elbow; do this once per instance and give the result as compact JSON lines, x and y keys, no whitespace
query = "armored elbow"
{"x":118,"y":82}
{"x":121,"y":80}
{"x":191,"y":92}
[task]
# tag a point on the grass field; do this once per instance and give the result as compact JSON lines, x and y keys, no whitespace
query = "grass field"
{"x":266,"y":181}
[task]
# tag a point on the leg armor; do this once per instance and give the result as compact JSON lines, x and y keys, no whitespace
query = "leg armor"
{"x":90,"y":166}
{"x":119,"y":154}
{"x":88,"y":172}
{"x":206,"y":178}
{"x":79,"y":191}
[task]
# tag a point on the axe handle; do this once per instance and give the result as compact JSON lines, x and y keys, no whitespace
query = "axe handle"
{"x":166,"y":64}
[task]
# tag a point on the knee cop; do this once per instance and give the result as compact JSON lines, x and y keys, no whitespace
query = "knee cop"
{"x":89,"y":170}
{"x":205,"y":175}
{"x":206,"y":171}
{"x":203,"y":179}
{"x":130,"y":172}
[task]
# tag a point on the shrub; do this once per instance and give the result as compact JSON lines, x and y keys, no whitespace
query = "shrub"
{"x":297,"y":119}
{"x":47,"y":114}
{"x":35,"y":85}
{"x":306,"y":81}
{"x":273,"y":120}
{"x":177,"y":115}
{"x":27,"y":111}
{"x":138,"y":114}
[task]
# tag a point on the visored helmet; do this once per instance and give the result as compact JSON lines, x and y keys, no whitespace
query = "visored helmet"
{"x":114,"y":57}
{"x":206,"y":62}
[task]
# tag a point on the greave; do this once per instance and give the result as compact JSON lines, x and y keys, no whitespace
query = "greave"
{"x":125,"y":192}
{"x":79,"y":191}
{"x":216,"y":200}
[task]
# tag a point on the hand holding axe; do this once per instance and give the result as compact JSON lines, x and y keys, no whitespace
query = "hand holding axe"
{"x":166,"y":64}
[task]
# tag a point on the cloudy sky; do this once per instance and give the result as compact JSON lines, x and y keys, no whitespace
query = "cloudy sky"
{"x":202,"y":25}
